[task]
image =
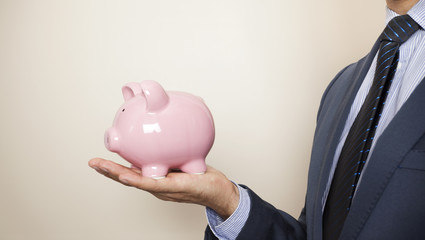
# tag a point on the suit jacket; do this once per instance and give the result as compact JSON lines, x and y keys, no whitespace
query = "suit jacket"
{"x":389,"y":202}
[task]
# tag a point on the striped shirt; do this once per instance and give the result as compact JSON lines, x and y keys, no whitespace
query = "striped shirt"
{"x":230,"y":229}
{"x":410,"y":72}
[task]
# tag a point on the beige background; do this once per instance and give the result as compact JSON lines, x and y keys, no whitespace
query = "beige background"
{"x":261,"y":66}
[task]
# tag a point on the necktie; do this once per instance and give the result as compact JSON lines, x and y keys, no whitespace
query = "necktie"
{"x":360,"y":137}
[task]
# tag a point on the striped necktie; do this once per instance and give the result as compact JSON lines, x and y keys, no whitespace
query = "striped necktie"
{"x":359,"y":139}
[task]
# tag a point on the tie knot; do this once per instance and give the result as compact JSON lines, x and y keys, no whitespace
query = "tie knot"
{"x":399,"y":29}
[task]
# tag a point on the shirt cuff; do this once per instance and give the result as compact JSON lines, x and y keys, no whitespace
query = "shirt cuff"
{"x":233,"y":225}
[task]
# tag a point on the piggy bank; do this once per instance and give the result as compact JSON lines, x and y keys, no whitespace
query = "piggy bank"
{"x":157,"y":131}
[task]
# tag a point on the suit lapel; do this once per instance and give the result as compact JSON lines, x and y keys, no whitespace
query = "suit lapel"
{"x":334,"y":123}
{"x":396,"y":141}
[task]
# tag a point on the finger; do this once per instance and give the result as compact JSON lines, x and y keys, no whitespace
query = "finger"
{"x":136,"y":169}
{"x":135,"y":179}
{"x":96,"y":164}
{"x":174,"y":183}
{"x":127,"y":176}
{"x":110,"y":169}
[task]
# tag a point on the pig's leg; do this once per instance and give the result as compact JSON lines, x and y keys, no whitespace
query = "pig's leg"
{"x":196,"y":166}
{"x":154,"y":171}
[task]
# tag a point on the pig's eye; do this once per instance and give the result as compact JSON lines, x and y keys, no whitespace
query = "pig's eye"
{"x":123,"y":110}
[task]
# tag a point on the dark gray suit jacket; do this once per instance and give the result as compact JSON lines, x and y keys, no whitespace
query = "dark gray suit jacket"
{"x":390,"y":201}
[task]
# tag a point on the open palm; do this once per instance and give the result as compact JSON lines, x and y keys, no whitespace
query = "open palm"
{"x":211,"y":189}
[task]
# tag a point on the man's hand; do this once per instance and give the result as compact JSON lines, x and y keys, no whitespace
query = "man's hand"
{"x":211,"y":189}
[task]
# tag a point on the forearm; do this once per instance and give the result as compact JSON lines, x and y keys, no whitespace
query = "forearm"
{"x":267,"y":222}
{"x":225,"y":203}
{"x":263,"y":222}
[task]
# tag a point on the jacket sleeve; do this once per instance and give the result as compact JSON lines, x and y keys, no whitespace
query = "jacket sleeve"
{"x":267,"y":222}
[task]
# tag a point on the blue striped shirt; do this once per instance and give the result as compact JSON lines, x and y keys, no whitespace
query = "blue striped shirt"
{"x":410,"y":72}
{"x":230,"y":229}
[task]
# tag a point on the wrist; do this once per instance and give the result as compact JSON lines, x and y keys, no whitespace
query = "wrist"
{"x":227,"y":203}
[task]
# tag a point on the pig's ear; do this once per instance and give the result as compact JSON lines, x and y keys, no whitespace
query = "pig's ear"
{"x":156,"y":97}
{"x":130,"y":90}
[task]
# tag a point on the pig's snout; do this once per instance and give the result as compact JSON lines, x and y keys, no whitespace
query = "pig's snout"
{"x":112,"y":140}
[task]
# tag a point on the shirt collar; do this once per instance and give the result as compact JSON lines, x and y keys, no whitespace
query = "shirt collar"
{"x":417,"y":12}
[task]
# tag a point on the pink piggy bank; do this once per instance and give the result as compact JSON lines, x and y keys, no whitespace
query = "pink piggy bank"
{"x":157,"y":130}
